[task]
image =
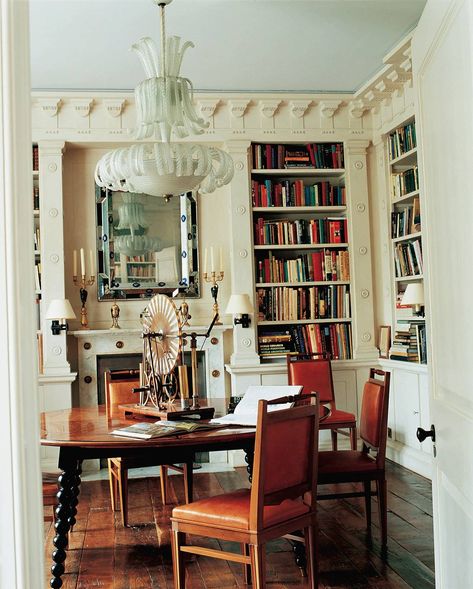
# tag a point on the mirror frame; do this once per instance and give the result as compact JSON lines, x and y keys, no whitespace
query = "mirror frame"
{"x":107,"y":290}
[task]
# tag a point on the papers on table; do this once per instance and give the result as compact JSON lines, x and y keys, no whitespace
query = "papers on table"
{"x":246,"y":411}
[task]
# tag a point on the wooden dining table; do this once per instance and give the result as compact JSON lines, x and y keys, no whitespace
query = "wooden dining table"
{"x":85,"y":433}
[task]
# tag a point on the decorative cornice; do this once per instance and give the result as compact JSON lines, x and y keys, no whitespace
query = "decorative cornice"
{"x":299,"y":107}
{"x":50,"y":106}
{"x":356,"y":108}
{"x":82,"y":106}
{"x":114,"y":106}
{"x":208,"y":106}
{"x":269,"y":107}
{"x":238,"y":107}
{"x":329,"y":107}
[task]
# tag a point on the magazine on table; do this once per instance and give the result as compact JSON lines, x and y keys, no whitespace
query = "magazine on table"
{"x":161,"y":429}
{"x":246,"y":412}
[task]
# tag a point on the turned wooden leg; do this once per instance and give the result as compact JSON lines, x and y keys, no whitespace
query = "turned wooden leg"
{"x":177,"y":540}
{"x":383,"y":511}
{"x":310,"y":537}
{"x":258,"y":566}
{"x":334,"y":439}
{"x":367,"y":489}
{"x":163,"y":479}
{"x":69,"y":483}
{"x":123,"y":492}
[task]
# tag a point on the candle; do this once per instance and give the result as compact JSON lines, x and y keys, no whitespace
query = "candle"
{"x":92,"y":272}
{"x":82,"y":262}
{"x":221,"y":259}
{"x":205,"y":261}
{"x":75,"y":262}
{"x":212,"y":261}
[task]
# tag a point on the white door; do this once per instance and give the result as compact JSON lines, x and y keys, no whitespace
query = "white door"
{"x":443,"y":78}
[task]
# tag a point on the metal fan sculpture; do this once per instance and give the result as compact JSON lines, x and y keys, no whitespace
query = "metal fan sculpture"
{"x":162,"y":341}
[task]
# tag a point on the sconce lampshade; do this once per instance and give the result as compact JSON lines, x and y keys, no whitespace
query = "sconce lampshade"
{"x":60,"y":309}
{"x":239,"y":304}
{"x":414,"y":294}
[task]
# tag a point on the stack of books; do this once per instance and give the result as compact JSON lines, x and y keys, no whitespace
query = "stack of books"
{"x":276,"y":344}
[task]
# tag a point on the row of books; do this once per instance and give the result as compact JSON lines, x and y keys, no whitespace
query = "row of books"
{"x":409,"y":342}
{"x":406,"y":221}
{"x":36,"y":197}
{"x":284,"y":303}
{"x":271,"y":156}
{"x":402,"y":140}
{"x":138,"y":271}
{"x":300,"y":231}
{"x":405,"y":182}
{"x":35,"y":158}
{"x":408,"y":258}
{"x":294,"y":193}
{"x":321,"y":265}
{"x":334,"y":338}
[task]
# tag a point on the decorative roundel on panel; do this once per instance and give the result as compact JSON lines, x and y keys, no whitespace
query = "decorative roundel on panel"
{"x":358,"y":165}
{"x":360,"y":207}
{"x":183,"y":218}
{"x":363,"y":250}
{"x":53,"y":212}
{"x":246,"y":342}
{"x":52,"y":167}
{"x":241,"y":210}
{"x":366,"y":337}
{"x":184,"y":254}
{"x":57,"y":350}
{"x":54,"y":258}
{"x":365,"y":293}
{"x":239,"y":166}
{"x":243,"y":254}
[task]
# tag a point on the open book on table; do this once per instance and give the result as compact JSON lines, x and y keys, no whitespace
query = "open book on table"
{"x":161,"y":429}
{"x":246,"y":412}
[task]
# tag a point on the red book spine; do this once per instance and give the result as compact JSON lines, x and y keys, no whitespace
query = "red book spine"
{"x":310,"y":149}
{"x":335,"y":232}
{"x":268,"y":157}
{"x":324,"y":186}
{"x":317,"y":262}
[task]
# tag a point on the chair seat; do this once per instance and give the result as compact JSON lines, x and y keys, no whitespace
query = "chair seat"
{"x":232,"y":510}
{"x":346,"y":464}
{"x":337,"y":417}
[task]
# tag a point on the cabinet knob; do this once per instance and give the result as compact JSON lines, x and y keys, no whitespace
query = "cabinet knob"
{"x":422,"y":434}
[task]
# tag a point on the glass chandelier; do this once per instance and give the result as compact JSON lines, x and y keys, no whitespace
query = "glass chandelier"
{"x":132,"y":218}
{"x":164,"y":107}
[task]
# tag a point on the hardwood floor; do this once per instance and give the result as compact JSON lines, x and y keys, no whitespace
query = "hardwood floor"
{"x":104,"y":554}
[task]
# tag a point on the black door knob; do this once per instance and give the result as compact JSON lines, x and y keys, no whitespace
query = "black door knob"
{"x":422,"y":434}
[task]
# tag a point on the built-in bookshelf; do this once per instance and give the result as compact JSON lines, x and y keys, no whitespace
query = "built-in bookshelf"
{"x":130,"y":269}
{"x":409,"y":337}
{"x":301,"y":250}
{"x":37,"y":251}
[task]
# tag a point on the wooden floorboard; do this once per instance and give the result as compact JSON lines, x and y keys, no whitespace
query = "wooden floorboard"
{"x":104,"y":554}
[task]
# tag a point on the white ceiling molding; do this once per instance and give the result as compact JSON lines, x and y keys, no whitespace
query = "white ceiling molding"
{"x":50,"y":106}
{"x":114,"y":106}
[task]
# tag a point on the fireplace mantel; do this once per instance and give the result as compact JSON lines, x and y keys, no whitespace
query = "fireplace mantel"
{"x":102,"y":342}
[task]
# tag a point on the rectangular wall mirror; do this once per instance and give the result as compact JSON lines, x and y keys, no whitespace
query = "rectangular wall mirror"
{"x":146,"y":245}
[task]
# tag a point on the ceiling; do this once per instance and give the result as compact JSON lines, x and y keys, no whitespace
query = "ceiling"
{"x":240,"y":45}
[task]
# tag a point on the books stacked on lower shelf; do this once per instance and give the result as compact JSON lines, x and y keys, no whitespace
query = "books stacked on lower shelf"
{"x":276,"y":344}
{"x":409,"y":342}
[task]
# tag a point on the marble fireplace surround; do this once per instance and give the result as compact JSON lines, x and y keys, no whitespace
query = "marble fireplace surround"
{"x":101,"y":342}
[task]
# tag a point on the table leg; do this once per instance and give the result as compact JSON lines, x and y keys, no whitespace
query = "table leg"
{"x":68,"y":499}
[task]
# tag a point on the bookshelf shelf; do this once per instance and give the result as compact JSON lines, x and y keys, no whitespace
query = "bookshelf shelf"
{"x":409,"y":337}
{"x":300,"y":204}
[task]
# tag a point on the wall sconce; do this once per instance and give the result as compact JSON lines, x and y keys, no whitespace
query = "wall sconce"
{"x":240,"y":306}
{"x":414,"y":296}
{"x":59,"y":311}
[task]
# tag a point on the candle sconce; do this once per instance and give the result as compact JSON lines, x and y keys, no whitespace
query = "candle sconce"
{"x":82,"y":283}
{"x":213,"y":278}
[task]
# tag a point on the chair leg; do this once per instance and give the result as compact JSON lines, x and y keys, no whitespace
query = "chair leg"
{"x":188,"y":481}
{"x":163,"y":478}
{"x":123,"y":492}
{"x":311,"y":548}
{"x":367,"y":489}
{"x":113,"y":486}
{"x":333,"y":432}
{"x":246,"y":567}
{"x":353,"y":439}
{"x":177,"y":540}
{"x":258,"y":565}
{"x":383,"y":510}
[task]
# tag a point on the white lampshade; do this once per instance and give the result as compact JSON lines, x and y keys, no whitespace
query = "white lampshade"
{"x":414,"y":294}
{"x":239,"y":304}
{"x":60,"y":309}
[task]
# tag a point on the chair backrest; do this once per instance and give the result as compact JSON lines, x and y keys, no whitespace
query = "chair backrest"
{"x":286,"y":455}
{"x":119,"y":385}
{"x":374,"y":414}
{"x":314,"y":373}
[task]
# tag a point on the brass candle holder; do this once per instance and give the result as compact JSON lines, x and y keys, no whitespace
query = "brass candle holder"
{"x":82,"y":283}
{"x":213,"y":278}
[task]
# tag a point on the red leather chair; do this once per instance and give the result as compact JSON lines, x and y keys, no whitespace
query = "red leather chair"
{"x":284,"y":468}
{"x":314,"y":373}
{"x":348,"y":466}
{"x":119,"y":385}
